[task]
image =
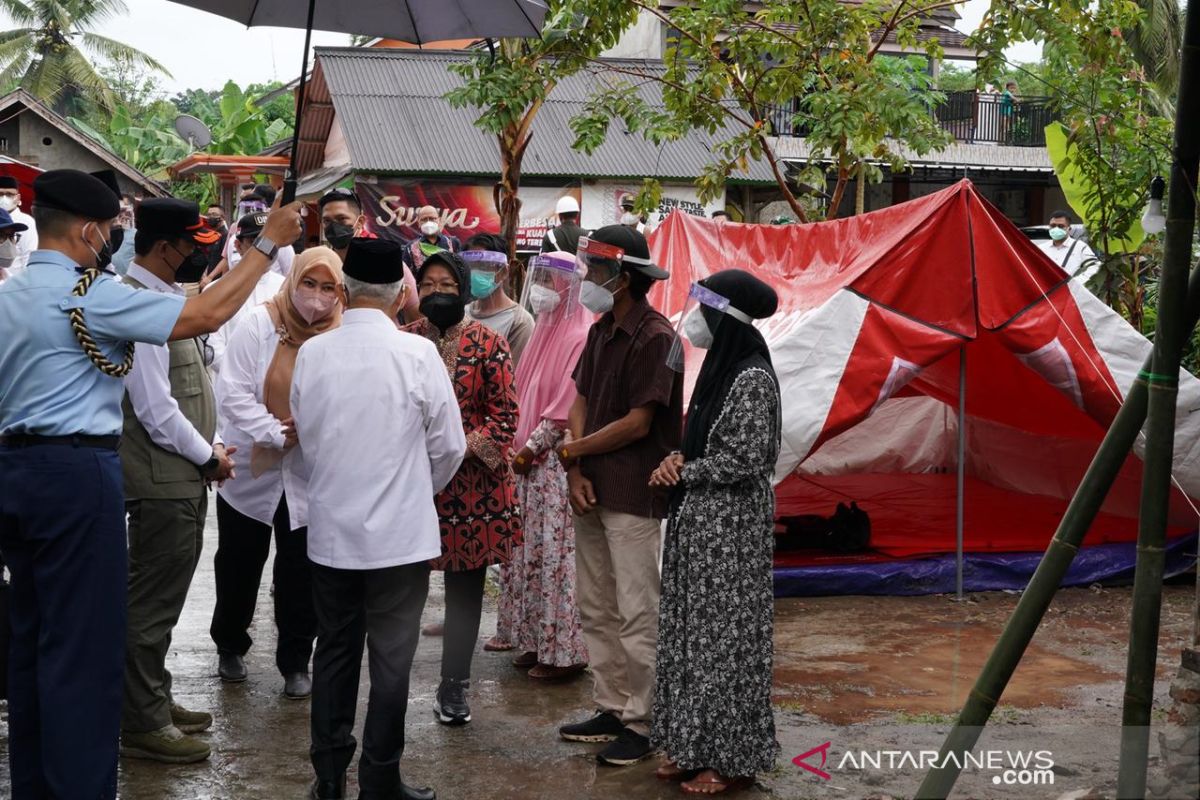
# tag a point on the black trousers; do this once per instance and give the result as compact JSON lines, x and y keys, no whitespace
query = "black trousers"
{"x":242,"y":548}
{"x":464,"y":607}
{"x":382,"y":607}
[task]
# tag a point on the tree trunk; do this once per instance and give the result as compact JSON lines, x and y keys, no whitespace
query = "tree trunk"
{"x":860,"y":192}
{"x":839,"y":191}
{"x":505,"y":196}
{"x":782,"y":181}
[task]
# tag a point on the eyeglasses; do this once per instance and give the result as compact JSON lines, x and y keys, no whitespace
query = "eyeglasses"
{"x":445,"y":287}
{"x":10,"y":235}
{"x":206,"y":351}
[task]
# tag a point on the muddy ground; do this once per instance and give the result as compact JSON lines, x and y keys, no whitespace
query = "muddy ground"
{"x":864,"y":674}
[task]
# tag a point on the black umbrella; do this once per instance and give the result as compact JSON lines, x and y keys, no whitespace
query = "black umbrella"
{"x":413,"y":21}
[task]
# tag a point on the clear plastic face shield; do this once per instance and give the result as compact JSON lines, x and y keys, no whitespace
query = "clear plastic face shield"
{"x":704,"y":312}
{"x":552,"y":287}
{"x":485,"y":268}
{"x":251,"y":205}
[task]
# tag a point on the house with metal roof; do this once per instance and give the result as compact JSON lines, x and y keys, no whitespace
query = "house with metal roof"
{"x":378,"y":118}
{"x":34,"y":134}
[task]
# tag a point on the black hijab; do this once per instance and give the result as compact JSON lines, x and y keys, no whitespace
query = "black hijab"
{"x":737,"y":347}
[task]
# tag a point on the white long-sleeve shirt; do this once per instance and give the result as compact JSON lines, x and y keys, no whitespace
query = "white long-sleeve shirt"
{"x":1073,"y":256}
{"x":381,"y":433}
{"x":267,"y":287}
{"x":282,"y":264}
{"x":29,"y":240}
{"x":149,"y":388}
{"x":245,"y":422}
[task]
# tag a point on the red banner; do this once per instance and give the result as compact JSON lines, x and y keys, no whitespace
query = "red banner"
{"x":391,"y":209}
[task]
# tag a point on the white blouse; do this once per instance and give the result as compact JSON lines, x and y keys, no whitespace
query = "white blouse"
{"x":245,"y":421}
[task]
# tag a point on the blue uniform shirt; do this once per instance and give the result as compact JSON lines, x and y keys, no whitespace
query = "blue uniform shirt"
{"x":48,"y":387}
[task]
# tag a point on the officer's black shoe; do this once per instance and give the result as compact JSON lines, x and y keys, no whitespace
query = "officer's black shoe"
{"x":297,"y":685}
{"x":231,"y":667}
{"x":328,"y":790}
{"x":450,"y":707}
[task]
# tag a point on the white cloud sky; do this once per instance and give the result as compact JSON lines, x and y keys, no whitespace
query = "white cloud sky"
{"x":203,"y":50}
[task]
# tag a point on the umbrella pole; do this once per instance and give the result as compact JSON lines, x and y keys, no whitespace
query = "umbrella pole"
{"x":290,"y":180}
{"x":1036,"y":598}
{"x":962,"y":469}
{"x":1170,"y":334}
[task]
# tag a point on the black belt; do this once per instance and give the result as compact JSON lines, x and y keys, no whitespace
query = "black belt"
{"x":77,"y":440}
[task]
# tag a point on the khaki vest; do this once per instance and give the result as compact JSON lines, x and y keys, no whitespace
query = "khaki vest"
{"x":152,"y":473}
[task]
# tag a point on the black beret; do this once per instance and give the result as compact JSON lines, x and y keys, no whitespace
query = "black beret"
{"x":8,"y":182}
{"x":76,"y":193}
{"x":170,"y":218}
{"x":374,"y":261}
{"x":109,"y":179}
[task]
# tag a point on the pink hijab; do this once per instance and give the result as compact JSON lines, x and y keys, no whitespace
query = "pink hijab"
{"x":545,"y":389}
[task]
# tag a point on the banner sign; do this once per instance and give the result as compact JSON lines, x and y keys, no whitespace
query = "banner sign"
{"x":391,"y":207}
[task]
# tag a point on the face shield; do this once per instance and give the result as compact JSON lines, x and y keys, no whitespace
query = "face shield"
{"x":251,"y":205}
{"x":552,"y":287}
{"x":702,"y":314}
{"x":485,"y":266}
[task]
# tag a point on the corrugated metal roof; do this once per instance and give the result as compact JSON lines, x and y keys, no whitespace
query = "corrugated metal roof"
{"x":390,"y":106}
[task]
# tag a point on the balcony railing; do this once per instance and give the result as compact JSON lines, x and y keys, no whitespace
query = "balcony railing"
{"x":971,"y":117}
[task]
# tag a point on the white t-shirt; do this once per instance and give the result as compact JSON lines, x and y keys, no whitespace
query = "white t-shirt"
{"x":1073,"y":256}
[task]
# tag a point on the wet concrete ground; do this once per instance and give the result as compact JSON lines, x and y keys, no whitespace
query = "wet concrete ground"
{"x":862,"y":673}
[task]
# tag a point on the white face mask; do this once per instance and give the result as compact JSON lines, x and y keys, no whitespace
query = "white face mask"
{"x":696,"y":329}
{"x":429,"y":228}
{"x":8,"y":203}
{"x":543,"y":299}
{"x":630,"y":219}
{"x":595,"y":298}
{"x":8,"y":254}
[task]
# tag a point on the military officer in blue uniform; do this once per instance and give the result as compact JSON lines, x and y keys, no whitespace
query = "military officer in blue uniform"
{"x":68,"y":332}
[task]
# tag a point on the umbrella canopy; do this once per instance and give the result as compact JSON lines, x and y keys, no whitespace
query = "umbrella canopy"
{"x":413,"y":21}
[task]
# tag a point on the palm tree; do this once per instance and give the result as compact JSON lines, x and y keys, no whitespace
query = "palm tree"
{"x":1157,"y":44}
{"x":51,"y":53}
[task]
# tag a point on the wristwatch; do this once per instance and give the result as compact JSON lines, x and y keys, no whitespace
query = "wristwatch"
{"x":265,"y":246}
{"x":211,"y":464}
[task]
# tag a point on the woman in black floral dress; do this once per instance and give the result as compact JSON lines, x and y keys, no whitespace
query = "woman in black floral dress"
{"x":712,"y":712}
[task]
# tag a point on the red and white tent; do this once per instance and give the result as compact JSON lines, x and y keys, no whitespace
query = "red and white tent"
{"x":892,"y":319}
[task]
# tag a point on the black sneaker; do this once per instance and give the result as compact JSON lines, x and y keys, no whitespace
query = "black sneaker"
{"x":604,"y":727}
{"x":450,"y":706}
{"x":629,"y":748}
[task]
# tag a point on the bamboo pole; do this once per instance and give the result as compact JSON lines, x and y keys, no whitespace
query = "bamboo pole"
{"x":1036,"y":598}
{"x":1169,"y":337}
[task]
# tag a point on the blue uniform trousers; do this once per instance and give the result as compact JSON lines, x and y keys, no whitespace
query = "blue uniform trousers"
{"x":62,"y":533}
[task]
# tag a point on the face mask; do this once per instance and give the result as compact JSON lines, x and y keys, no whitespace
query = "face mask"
{"x":543,"y":299}
{"x":116,"y":238}
{"x":8,"y":254}
{"x":596,"y":298}
{"x":483,"y":284}
{"x":338,"y":235}
{"x":104,"y":256}
{"x":216,"y":223}
{"x":443,"y":310}
{"x":8,"y":203}
{"x":630,"y":219}
{"x":1058,"y":234}
{"x":430,"y":228}
{"x":312,"y":305}
{"x":696,"y":329}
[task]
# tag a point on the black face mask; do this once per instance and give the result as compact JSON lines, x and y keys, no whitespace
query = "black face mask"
{"x":338,"y":235}
{"x":104,"y":255}
{"x":193,"y":266}
{"x":216,"y":223}
{"x":116,"y":238}
{"x":443,"y":310}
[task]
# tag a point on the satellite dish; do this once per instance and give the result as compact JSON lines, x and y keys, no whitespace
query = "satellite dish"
{"x":193,"y":131}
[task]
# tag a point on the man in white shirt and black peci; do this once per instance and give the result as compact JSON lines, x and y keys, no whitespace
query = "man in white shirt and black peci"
{"x":380,"y":433}
{"x":169,"y":455}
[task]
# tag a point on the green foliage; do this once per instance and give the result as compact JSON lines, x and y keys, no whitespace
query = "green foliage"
{"x":53,"y":55}
{"x":815,"y":65}
{"x":509,"y":85}
{"x":1117,"y":141}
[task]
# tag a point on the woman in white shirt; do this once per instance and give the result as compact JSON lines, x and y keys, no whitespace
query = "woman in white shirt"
{"x":252,"y":396}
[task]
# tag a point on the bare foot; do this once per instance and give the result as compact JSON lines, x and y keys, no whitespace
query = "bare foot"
{"x":711,"y":782}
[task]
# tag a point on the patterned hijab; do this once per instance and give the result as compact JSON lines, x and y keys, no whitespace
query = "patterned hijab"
{"x":293,"y":329}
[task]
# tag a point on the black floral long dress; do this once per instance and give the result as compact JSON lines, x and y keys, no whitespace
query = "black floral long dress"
{"x":712,"y":707}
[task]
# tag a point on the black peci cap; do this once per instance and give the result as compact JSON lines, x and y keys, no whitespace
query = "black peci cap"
{"x":8,"y":182}
{"x":374,"y":261}
{"x":76,"y":193}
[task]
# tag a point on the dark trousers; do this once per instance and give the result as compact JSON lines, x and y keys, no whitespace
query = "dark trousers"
{"x":464,"y":607}
{"x":62,"y":533}
{"x":242,"y":548}
{"x":165,"y":539}
{"x":382,"y":607}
